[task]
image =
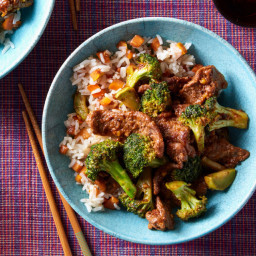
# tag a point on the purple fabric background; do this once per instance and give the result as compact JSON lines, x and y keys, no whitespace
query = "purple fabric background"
{"x":26,"y":223}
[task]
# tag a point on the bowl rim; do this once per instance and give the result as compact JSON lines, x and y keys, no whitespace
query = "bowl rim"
{"x":33,"y":44}
{"x":81,"y":213}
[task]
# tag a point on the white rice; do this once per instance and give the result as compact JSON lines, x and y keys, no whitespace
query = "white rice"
{"x":4,"y":39}
{"x":172,"y":61}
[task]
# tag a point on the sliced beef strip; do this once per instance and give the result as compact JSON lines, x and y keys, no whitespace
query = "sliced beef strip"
{"x":206,"y":82}
{"x":175,"y":83}
{"x":160,"y":218}
{"x":223,"y":152}
{"x":199,"y":186}
{"x":160,"y":174}
{"x":142,"y":88}
{"x":123,"y":123}
{"x":178,"y":109}
{"x":178,"y":139}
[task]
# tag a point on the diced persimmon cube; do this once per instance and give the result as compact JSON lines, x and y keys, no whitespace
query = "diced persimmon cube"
{"x":8,"y":23}
{"x":63,"y":149}
{"x":109,"y":203}
{"x":130,"y":69}
{"x":101,"y":185}
{"x":182,"y":47}
{"x":78,"y":178}
{"x":155,"y":44}
{"x":83,"y":133}
{"x":137,"y":41}
{"x":77,"y":167}
{"x":122,"y":44}
{"x":96,"y":74}
{"x":71,"y":130}
{"x":129,"y":54}
{"x":105,"y":56}
{"x":116,"y":84}
{"x":105,"y":101}
{"x":83,"y":170}
{"x":92,"y":87}
{"x":99,"y":94}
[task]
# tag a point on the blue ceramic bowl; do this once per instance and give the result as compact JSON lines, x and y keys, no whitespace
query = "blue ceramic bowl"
{"x":208,"y":48}
{"x":34,"y":20}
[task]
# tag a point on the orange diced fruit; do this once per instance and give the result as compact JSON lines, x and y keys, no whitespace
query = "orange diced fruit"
{"x":137,"y":41}
{"x":182,"y":47}
{"x":105,"y":56}
{"x":8,"y":23}
{"x":71,"y":130}
{"x":63,"y":149}
{"x":77,"y":167}
{"x":101,"y":185}
{"x":130,"y":69}
{"x":96,"y":191}
{"x":129,"y":54}
{"x":99,"y":94}
{"x":96,"y":74}
{"x":105,"y":101}
{"x":155,"y":44}
{"x":78,"y":178}
{"x":93,"y":87}
{"x":116,"y":84}
{"x":122,"y":44}
{"x":109,"y":203}
{"x":83,"y":133}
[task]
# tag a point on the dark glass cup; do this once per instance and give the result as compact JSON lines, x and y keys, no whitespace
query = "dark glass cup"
{"x":240,"y":12}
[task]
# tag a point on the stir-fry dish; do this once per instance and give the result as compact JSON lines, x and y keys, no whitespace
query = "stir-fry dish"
{"x":10,"y":19}
{"x":148,"y":133}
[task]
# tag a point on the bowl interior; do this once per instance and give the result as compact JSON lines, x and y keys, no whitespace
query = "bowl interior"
{"x":34,"y":20}
{"x":208,"y":49}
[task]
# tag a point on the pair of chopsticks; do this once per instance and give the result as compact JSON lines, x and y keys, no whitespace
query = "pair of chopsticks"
{"x":74,"y":7}
{"x":55,"y":213}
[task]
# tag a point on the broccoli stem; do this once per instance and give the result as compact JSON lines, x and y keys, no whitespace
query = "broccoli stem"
{"x":239,"y":119}
{"x":155,"y":163}
{"x":119,"y":174}
{"x":199,"y":134}
{"x":137,"y":75}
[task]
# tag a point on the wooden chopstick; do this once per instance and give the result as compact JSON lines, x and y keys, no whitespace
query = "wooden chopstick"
{"x":73,"y":13}
{"x":78,"y":5}
{"x":47,"y":189}
{"x":71,"y":214}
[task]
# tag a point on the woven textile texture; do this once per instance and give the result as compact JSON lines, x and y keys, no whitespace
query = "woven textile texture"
{"x":26,"y":223}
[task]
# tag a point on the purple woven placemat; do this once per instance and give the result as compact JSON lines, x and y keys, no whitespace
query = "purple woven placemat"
{"x":26,"y":223}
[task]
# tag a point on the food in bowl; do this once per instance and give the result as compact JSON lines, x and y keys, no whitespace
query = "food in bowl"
{"x":148,"y":133}
{"x":10,"y":19}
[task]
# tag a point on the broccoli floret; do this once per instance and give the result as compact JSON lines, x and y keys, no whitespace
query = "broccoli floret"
{"x":156,"y":100}
{"x":190,"y":171}
{"x":190,"y":206}
{"x":196,"y":117}
{"x":149,"y":67}
{"x":103,"y":157}
{"x":143,"y":201}
{"x":224,"y":116}
{"x":139,"y":153}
